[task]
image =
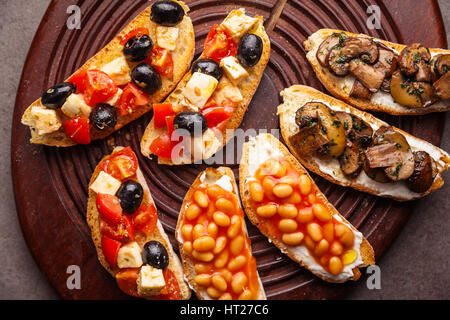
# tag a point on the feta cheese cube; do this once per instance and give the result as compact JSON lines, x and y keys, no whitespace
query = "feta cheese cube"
{"x":227,"y":92}
{"x":105,"y":184}
{"x":210,"y":144}
{"x":238,"y":24}
{"x":150,"y":281}
{"x":75,"y":106}
{"x":45,"y":120}
{"x":166,"y":37}
{"x":114,"y":101}
{"x":233,"y":69}
{"x":118,"y":70}
{"x":129,"y":256}
{"x":200,"y":88}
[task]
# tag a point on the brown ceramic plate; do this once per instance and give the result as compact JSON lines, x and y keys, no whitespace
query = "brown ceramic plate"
{"x":50,"y":184}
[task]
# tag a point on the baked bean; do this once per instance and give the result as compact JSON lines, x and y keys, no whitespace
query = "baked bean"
{"x":336,"y":248}
{"x":349,"y":257}
{"x":321,"y":212}
{"x":246,"y":295}
{"x":198,"y":231}
{"x":215,"y":191}
{"x":205,"y":243}
{"x":324,"y":260}
{"x":239,"y":282}
{"x":267,"y":211}
{"x":219,"y":283}
{"x":275,"y":168}
{"x":288,"y":211}
{"x":236,"y":245}
{"x":221,"y":243}
{"x":212,"y":229}
{"x":311,"y":198}
{"x":267,"y":185}
{"x":221,"y":219}
{"x":321,"y":248}
{"x":256,"y":191}
{"x":304,"y":184}
{"x":328,"y":231}
{"x":237,"y":263}
{"x":344,"y":234}
{"x":282,"y":190}
{"x":186,"y":231}
{"x":335,"y":265}
{"x":203,"y":256}
{"x":227,"y":275}
{"x":305,"y":215}
{"x":213,"y":292}
{"x":187,"y":246}
{"x":309,"y":243}
{"x":200,"y":267}
{"x":292,"y":239}
{"x":315,"y":231}
{"x":203,"y":280}
{"x":290,"y":180}
{"x":226,"y":296}
{"x":294,"y":198}
{"x":235,"y":228}
{"x":221,"y":260}
{"x":287,"y":225}
{"x":225,"y":205}
{"x":193,"y":211}
{"x":201,"y":199}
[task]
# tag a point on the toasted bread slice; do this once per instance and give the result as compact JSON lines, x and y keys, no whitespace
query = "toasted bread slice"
{"x":247,"y":88}
{"x":159,"y":234}
{"x":297,"y":95}
{"x":340,"y":87}
{"x":255,"y":153}
{"x":182,"y":57}
{"x":209,"y":177}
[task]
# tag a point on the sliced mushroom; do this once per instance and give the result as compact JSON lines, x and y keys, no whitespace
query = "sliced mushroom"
{"x":309,"y":139}
{"x":425,"y":92}
{"x":440,"y":64}
{"x":386,"y":85}
{"x":387,"y":60}
{"x":401,"y":91}
{"x":412,"y":58}
{"x":370,"y":77}
{"x":442,"y":87}
{"x":376,"y":174}
{"x":346,"y":120}
{"x":387,"y":134}
{"x":403,"y":169}
{"x":360,"y":91}
{"x":353,"y":47}
{"x":361,"y":132}
{"x":350,"y":161}
{"x":382,"y":155}
{"x":326,"y":45}
{"x":422,"y":177}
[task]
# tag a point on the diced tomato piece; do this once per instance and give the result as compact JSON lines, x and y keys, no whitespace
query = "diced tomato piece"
{"x":79,"y":80}
{"x":127,"y":281}
{"x":134,"y":33}
{"x":145,"y":219}
{"x":162,"y":146}
{"x":109,"y":208}
{"x":110,"y":248}
{"x":171,"y":290}
{"x":215,"y":115}
{"x":122,"y":231}
{"x":128,"y":226}
{"x":160,"y":112}
{"x":219,"y":44}
{"x":161,"y":60}
{"x":131,"y":98}
{"x":99,"y":87}
{"x":122,"y":164}
{"x":77,"y":129}
{"x":169,"y":124}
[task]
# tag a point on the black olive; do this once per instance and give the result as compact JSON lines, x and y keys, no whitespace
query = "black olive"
{"x":56,"y":96}
{"x":191,"y":121}
{"x":138,"y":48}
{"x":130,"y":196}
{"x":155,"y":254}
{"x":207,"y":66}
{"x":104,"y":116}
{"x":250,"y":50}
{"x":167,"y":13}
{"x":146,"y":77}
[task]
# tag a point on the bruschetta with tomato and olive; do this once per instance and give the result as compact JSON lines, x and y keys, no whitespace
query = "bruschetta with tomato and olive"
{"x":139,"y":67}
{"x":201,"y":114}
{"x":354,"y":149}
{"x":373,"y":74}
{"x":130,"y":240}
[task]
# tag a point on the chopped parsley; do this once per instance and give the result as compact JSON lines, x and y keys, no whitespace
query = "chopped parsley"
{"x":336,"y":123}
{"x":397,"y":169}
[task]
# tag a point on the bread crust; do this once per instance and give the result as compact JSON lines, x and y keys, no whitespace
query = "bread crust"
{"x":366,"y":250}
{"x":297,"y":95}
{"x":331,"y":82}
{"x":247,"y":87}
{"x":182,"y":57}
{"x":159,"y":234}
{"x":188,"y":265}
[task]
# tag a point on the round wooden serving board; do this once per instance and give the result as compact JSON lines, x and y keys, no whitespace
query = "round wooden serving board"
{"x":51,"y":184}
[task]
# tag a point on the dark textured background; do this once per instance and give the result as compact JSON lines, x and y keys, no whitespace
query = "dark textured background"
{"x":415,"y":266}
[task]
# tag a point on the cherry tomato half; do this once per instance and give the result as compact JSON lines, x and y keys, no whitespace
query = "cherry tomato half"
{"x":161,"y":60}
{"x":126,"y":281}
{"x":77,"y":129}
{"x":122,"y":164}
{"x":219,"y":44}
{"x":110,"y":248}
{"x":109,"y":208}
{"x":171,"y":290}
{"x":160,"y":112}
{"x":131,"y":98}
{"x":215,"y":115}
